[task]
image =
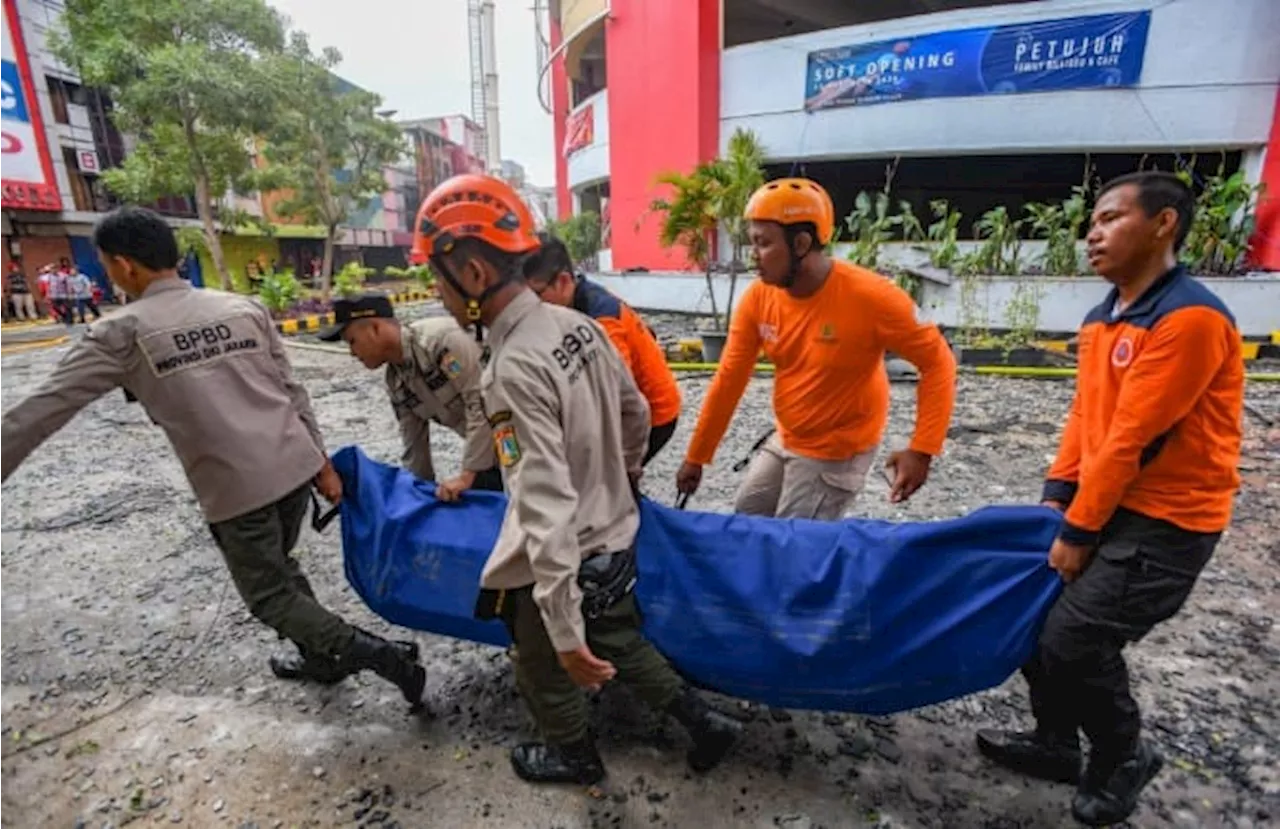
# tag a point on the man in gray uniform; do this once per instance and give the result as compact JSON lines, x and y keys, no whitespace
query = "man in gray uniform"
{"x":433,"y":374}
{"x":570,"y":429}
{"x":210,"y":370}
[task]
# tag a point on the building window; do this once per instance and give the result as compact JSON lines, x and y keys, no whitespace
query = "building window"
{"x":81,"y":192}
{"x":62,"y":94}
{"x":58,"y":99}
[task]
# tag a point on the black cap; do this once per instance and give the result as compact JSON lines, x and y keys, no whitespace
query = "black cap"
{"x":348,"y":310}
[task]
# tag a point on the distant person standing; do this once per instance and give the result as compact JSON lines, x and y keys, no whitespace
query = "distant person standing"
{"x":59,"y":295}
{"x":82,"y":295}
{"x":24,"y":304}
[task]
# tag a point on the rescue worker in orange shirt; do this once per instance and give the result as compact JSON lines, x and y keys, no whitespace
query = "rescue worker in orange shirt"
{"x":1146,"y":474}
{"x":826,"y":325}
{"x":551,"y":276}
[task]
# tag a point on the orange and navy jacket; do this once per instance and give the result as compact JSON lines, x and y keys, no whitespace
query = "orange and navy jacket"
{"x":1155,"y":426}
{"x":638,"y":347}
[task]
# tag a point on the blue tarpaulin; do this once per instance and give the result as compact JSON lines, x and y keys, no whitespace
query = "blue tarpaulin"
{"x":862,"y":616}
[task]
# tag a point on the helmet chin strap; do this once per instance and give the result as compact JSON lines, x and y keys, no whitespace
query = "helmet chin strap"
{"x":793,"y":270}
{"x":475,"y":302}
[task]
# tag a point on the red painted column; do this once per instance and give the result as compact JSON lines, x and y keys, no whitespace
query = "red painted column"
{"x":664,"y":113}
{"x":1266,"y":237}
{"x":560,"y":111}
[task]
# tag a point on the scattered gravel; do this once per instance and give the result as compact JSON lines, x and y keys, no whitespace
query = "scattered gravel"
{"x":113,"y":589}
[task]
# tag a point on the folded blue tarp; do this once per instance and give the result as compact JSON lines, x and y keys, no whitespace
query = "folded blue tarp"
{"x":862,"y":616}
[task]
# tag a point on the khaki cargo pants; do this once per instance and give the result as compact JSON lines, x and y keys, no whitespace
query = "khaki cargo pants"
{"x":256,"y":547}
{"x":558,"y":706}
{"x":782,"y":484}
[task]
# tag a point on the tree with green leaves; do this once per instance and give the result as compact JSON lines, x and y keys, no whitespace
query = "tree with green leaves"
{"x":327,"y":147}
{"x":186,"y":79}
{"x":714,"y":195}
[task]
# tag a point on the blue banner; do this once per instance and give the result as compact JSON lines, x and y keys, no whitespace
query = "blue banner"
{"x":1104,"y":50}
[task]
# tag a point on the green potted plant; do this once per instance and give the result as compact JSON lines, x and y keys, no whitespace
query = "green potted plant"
{"x":712,"y":197}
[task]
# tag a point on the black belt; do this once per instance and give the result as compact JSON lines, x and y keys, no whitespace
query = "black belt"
{"x":605,"y":579}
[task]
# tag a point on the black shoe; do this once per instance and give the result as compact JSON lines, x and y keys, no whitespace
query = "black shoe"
{"x":396,"y":662}
{"x":1109,"y":792}
{"x":1027,"y":752}
{"x":307,"y":666}
{"x":549,"y":763}
{"x":713,"y":733}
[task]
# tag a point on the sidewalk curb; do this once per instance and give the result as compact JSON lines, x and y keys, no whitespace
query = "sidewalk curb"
{"x":315,"y":322}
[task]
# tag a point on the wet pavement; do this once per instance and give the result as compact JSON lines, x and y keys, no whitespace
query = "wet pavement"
{"x":114,"y":593}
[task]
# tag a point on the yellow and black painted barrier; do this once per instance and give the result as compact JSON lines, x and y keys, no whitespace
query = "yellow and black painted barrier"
{"x":314,"y":322}
{"x":1252,"y":348}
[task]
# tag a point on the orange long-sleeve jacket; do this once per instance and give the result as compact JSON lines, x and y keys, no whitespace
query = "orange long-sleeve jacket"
{"x":831,"y":390}
{"x":1155,"y":426}
{"x":638,"y":347}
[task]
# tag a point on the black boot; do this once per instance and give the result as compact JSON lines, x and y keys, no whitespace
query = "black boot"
{"x":308,"y":666}
{"x":1055,"y":759}
{"x":396,"y":662}
{"x":1109,"y":792}
{"x":713,"y":733}
{"x":577,"y":762}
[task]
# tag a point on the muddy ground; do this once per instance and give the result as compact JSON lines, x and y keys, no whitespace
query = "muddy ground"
{"x":113,"y":592}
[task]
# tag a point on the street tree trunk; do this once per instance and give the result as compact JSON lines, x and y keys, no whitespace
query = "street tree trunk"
{"x":204,"y":208}
{"x":204,"y":204}
{"x":326,"y":269}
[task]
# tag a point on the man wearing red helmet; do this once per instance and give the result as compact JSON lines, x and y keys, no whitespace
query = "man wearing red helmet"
{"x":826,"y":325}
{"x":570,"y":429}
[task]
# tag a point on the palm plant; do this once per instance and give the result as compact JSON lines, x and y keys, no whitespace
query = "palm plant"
{"x":712,"y":197}
{"x":690,"y":217}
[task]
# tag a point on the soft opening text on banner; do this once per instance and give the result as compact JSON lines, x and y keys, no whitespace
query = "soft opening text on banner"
{"x":1098,"y":51}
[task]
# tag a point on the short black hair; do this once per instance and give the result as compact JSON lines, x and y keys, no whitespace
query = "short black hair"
{"x":138,"y":234}
{"x":1159,"y":191}
{"x":550,"y":259}
{"x":508,"y":265}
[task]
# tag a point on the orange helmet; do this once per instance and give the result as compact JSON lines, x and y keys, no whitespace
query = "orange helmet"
{"x":472,"y":206}
{"x":789,"y":201}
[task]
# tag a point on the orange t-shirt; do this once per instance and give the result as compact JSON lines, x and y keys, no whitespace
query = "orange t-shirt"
{"x":831,"y":390}
{"x":637,"y":346}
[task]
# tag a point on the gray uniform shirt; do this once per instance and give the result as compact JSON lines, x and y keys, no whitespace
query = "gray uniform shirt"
{"x":439,"y":380}
{"x":568,"y":422}
{"x":210,"y":370}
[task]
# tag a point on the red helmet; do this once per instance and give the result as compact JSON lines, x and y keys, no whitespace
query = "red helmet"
{"x":472,"y":206}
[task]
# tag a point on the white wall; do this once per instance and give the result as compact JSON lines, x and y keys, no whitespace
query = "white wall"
{"x":1209,"y":79}
{"x":591,"y":163}
{"x":1063,"y":302}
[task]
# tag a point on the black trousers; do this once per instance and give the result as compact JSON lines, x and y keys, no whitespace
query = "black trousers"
{"x":1140,"y":576}
{"x":659,"y":436}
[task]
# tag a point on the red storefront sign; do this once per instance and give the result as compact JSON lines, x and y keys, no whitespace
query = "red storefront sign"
{"x":580,"y":130}
{"x":29,"y":182}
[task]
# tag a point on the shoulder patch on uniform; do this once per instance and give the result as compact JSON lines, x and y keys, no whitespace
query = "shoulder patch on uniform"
{"x":505,"y":445}
{"x":450,"y":365}
{"x":501,"y":416}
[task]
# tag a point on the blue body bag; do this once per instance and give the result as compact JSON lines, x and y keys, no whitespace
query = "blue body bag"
{"x":861,"y":616}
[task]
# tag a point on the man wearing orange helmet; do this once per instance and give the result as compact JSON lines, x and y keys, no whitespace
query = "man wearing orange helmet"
{"x":570,"y":429}
{"x":826,"y":325}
